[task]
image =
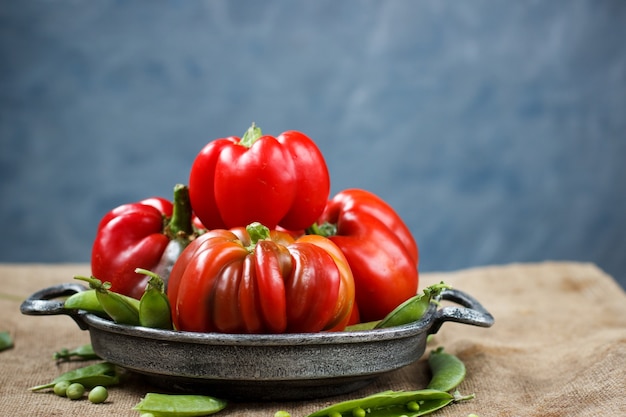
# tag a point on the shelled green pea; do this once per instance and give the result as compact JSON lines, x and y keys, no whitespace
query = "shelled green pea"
{"x":98,"y":394}
{"x":75,"y":391}
{"x":60,"y":388}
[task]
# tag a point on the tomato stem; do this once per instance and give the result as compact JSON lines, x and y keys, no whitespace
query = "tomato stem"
{"x":252,"y":135}
{"x":257,"y":232}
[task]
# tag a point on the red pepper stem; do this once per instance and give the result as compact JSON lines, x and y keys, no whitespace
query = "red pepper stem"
{"x":325,"y":229}
{"x":252,"y":135}
{"x":181,"y":221}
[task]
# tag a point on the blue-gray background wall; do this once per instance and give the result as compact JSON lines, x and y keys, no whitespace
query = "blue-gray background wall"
{"x":496,"y":129}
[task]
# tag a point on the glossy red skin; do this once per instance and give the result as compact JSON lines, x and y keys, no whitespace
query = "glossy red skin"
{"x":279,"y":180}
{"x":380,"y":250}
{"x":132,"y":236}
{"x":219,"y":285}
{"x":129,"y":237}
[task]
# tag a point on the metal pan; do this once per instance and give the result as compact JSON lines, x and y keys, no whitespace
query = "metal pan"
{"x":258,"y":366}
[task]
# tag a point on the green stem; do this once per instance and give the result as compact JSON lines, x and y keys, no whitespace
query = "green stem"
{"x":325,"y":229}
{"x":95,"y":283}
{"x":180,"y":224}
{"x":252,"y":135}
{"x":257,"y":232}
{"x":458,"y":397}
{"x":155,"y":280}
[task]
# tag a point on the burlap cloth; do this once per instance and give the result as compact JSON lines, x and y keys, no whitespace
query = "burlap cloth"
{"x":558,"y":347}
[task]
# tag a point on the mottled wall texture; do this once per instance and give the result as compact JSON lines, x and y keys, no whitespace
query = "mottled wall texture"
{"x":496,"y":129}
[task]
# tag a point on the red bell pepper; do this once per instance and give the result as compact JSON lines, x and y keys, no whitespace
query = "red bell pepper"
{"x":149,"y":234}
{"x":279,"y":180}
{"x":379,"y":247}
{"x":251,"y":280}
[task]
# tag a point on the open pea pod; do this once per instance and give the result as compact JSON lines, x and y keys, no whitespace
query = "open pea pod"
{"x":103,"y":373}
{"x":390,"y":404}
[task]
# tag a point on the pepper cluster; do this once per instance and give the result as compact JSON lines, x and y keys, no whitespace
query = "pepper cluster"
{"x":255,"y":243}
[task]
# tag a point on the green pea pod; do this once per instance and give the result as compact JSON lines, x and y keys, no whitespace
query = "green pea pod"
{"x":447,"y":370}
{"x":368,"y":325}
{"x":84,"y":300}
{"x":179,"y":405}
{"x":154,"y":306}
{"x":103,"y":373}
{"x":122,"y":309}
{"x":390,"y":404}
{"x":412,"y":309}
{"x":84,"y":352}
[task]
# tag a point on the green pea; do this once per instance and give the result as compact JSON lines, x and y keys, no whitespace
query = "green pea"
{"x":448,"y":371}
{"x":6,"y":341}
{"x":172,"y":405}
{"x":412,"y":406}
{"x":60,"y":388}
{"x":75,"y":391}
{"x":358,"y":412}
{"x":334,"y":414}
{"x":98,"y":394}
{"x":154,"y":306}
{"x":282,"y":414}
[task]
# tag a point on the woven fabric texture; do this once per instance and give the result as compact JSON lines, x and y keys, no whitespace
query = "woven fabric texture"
{"x":557,"y":348}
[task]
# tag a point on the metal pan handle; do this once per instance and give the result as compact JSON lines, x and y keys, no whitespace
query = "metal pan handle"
{"x":44,"y":303}
{"x":472,"y":312}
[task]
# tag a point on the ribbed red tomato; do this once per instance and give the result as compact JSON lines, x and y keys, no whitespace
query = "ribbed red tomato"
{"x":251,"y":280}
